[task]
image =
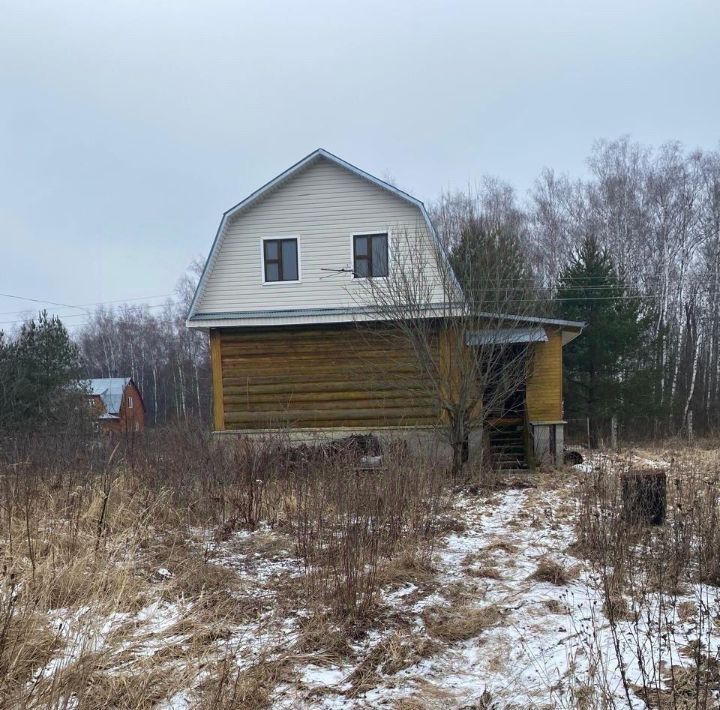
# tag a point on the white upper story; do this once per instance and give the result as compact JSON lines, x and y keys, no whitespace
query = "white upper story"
{"x":301,"y":249}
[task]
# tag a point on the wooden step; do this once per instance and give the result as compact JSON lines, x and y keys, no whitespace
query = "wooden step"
{"x":507,"y":447}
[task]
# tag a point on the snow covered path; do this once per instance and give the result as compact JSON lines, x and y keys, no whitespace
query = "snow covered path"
{"x":521,"y":656}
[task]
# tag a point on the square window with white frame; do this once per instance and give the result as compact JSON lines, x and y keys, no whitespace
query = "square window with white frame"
{"x":370,"y":255}
{"x":280,"y":260}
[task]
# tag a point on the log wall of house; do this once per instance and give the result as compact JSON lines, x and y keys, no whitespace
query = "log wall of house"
{"x":316,"y":377}
{"x":544,"y":386}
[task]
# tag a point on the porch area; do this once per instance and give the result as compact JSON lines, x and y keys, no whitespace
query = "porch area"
{"x":523,"y":388}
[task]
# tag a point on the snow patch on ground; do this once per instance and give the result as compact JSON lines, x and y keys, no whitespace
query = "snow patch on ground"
{"x":542,"y":647}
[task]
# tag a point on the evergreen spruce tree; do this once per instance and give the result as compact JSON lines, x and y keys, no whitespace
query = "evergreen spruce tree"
{"x":603,"y":367}
{"x":489,"y":259}
{"x":40,"y":371}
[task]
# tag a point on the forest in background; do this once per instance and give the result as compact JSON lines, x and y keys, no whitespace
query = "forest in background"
{"x":633,"y":249}
{"x":168,"y":362}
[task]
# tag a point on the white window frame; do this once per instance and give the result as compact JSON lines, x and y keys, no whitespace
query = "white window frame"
{"x":371,"y":234}
{"x":130,"y":401}
{"x":298,"y":280}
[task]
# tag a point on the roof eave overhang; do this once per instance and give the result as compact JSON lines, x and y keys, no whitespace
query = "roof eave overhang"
{"x":309,"y":316}
{"x":235,"y":319}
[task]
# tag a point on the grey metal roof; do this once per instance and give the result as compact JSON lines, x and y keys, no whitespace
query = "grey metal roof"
{"x":503,"y":336}
{"x":290,"y":312}
{"x":283,"y":177}
{"x":432,"y":310}
{"x":579,"y":324}
{"x":110,"y":390}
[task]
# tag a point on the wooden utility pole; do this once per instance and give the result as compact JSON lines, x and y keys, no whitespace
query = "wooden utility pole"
{"x":587,"y":424}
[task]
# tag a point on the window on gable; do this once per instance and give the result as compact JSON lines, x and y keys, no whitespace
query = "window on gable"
{"x":130,"y":403}
{"x":370,"y":255}
{"x":280,"y":259}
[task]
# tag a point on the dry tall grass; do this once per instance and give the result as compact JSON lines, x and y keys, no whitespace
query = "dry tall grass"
{"x":658,"y":582}
{"x":96,"y":535}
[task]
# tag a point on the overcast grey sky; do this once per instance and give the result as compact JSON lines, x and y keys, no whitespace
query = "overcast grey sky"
{"x":126,"y":128}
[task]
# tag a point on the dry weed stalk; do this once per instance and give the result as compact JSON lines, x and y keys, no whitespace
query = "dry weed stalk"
{"x":350,"y":521}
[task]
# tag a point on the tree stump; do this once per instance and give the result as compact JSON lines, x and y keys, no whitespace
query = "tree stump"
{"x":644,"y":495}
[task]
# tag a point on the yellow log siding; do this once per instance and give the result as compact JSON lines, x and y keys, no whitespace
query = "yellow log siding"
{"x":346,"y":376}
{"x":317,"y":378}
{"x":544,"y":386}
{"x":216,"y":372}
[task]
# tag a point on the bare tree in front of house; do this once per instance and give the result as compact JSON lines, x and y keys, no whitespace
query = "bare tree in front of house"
{"x":461,"y":316}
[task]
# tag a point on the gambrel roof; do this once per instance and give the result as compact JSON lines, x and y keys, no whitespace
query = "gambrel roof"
{"x":284,"y":177}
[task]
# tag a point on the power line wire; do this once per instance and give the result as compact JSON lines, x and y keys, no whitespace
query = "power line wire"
{"x":64,"y":317}
{"x":37,"y":300}
{"x":78,"y":305}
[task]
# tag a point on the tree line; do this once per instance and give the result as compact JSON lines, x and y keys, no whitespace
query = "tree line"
{"x":632,"y":248}
{"x":167,"y":361}
{"x":44,"y":371}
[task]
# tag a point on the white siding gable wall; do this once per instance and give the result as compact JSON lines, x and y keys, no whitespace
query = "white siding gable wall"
{"x":323,"y":206}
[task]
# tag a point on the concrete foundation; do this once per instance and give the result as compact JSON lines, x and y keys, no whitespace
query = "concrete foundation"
{"x":426,"y":442}
{"x":548,"y":442}
{"x":429,"y":443}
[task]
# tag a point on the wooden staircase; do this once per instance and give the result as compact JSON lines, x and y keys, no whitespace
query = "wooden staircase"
{"x":507,"y":446}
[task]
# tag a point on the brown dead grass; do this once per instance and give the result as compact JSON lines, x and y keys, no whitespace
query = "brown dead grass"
{"x":688,"y":687}
{"x":195,"y":577}
{"x":616,"y":606}
{"x":427,"y":696}
{"x":399,"y":651}
{"x":408,"y":566}
{"x":552,"y":572}
{"x":95,"y":539}
{"x":452,"y":624}
{"x":144,"y":685}
{"x":450,"y":524}
{"x":229,"y":688}
{"x":325,"y":642}
{"x":228,"y":607}
{"x":687,"y":610}
{"x":485,"y":571}
{"x":461,"y":593}
{"x":26,"y":643}
{"x":268,"y":544}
